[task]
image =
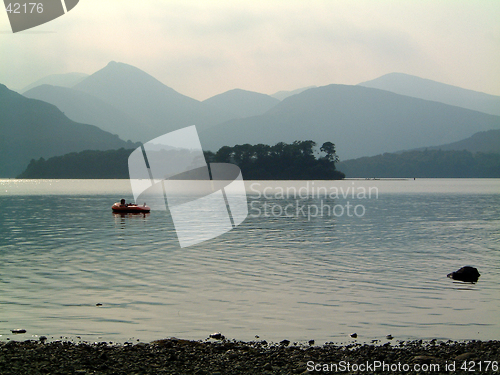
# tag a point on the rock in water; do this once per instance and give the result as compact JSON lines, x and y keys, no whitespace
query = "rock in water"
{"x":467,"y":274}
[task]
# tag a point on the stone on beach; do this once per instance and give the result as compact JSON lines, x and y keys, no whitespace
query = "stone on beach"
{"x":285,"y":342}
{"x":217,"y":336}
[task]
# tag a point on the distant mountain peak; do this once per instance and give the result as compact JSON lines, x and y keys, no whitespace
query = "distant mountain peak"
{"x":242,"y":103}
{"x":116,"y":65}
{"x":152,"y":105}
{"x":116,"y":69}
{"x":401,"y":80}
{"x":427,"y":89}
{"x":118,"y":79}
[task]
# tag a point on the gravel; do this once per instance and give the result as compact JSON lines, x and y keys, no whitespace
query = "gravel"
{"x":176,"y":356}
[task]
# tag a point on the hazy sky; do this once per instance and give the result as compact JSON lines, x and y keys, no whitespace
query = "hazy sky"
{"x":202,"y":48}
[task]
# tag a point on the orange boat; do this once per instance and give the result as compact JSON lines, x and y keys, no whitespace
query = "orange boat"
{"x":130,"y":208}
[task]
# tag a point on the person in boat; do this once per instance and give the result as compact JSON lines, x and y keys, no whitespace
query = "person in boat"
{"x":122,"y":203}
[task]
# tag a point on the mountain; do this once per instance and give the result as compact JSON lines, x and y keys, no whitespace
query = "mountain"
{"x":33,"y":129}
{"x":242,"y":103}
{"x":488,"y":142}
{"x":87,"y":109}
{"x":62,"y":80}
{"x":155,"y":107}
{"x":361,"y":121}
{"x":421,"y":88}
{"x":281,"y":95}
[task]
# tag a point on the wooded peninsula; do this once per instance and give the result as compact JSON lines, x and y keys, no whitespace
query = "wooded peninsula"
{"x":300,"y":160}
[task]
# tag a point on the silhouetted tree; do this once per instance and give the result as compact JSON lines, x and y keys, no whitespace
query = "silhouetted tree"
{"x":329,"y":149}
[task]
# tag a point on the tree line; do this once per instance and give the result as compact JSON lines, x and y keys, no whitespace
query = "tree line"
{"x":296,"y":161}
{"x":299,"y":160}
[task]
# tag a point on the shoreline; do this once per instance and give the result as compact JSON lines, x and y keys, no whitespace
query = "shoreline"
{"x":211,"y":356}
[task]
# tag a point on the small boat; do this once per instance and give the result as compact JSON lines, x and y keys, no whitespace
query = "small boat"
{"x":130,"y":208}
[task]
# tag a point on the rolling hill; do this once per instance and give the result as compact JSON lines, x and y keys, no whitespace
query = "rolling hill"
{"x":32,"y":129}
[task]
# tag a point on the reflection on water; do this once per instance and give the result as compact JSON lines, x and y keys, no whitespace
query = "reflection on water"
{"x":278,"y":276}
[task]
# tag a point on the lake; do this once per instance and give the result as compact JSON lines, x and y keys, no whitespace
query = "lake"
{"x":313,"y":260}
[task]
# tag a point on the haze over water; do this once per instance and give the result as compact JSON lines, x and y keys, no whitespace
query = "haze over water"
{"x":294,"y":276}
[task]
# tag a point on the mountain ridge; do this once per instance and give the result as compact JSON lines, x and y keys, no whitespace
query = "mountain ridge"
{"x":361,"y":121}
{"x":32,"y":128}
{"x":85,"y":108}
{"x":422,"y":88}
{"x":157,"y":108}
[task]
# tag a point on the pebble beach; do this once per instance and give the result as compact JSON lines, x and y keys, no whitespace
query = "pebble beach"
{"x":177,"y":356}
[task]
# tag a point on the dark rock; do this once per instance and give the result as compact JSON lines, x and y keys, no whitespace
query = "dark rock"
{"x":466,"y":274}
{"x":217,"y":336}
{"x":311,"y":342}
{"x":354,"y":335}
{"x":18,"y":331}
{"x":285,"y":342}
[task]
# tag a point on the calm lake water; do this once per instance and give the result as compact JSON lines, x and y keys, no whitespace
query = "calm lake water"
{"x":289,"y":271}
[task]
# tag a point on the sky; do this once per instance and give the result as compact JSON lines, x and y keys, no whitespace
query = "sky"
{"x":203,"y":48}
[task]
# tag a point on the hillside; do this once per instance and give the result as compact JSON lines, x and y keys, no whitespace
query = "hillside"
{"x":488,"y":142}
{"x":427,"y":89}
{"x":424,"y":164}
{"x":363,"y":121}
{"x":32,"y":129}
{"x":87,"y":109}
